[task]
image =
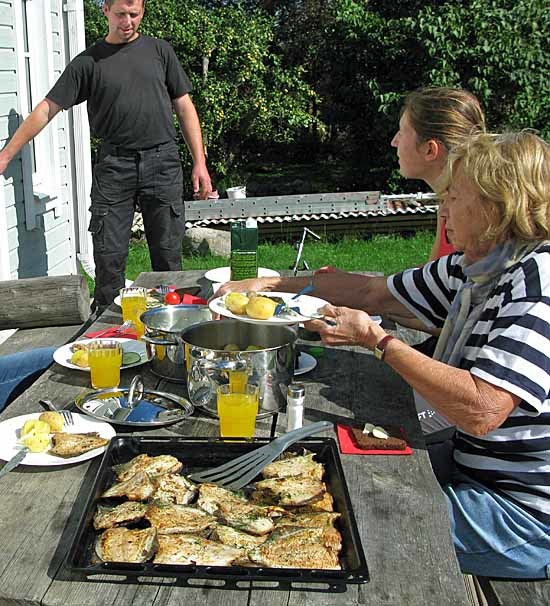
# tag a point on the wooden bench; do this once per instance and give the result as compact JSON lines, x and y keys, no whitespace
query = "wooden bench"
{"x":500,"y":592}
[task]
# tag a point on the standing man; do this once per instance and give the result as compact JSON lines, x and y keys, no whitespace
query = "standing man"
{"x":133,"y":85}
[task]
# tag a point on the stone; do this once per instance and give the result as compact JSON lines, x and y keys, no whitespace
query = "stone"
{"x":204,"y":241}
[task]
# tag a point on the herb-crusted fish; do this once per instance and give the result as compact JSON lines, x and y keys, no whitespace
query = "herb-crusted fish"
{"x":289,"y":492}
{"x":138,"y":488}
{"x":302,"y":465}
{"x":188,"y":549}
{"x":125,"y":513}
{"x":123,"y":545}
{"x":172,"y":519}
{"x":322,"y":519}
{"x":74,"y":444}
{"x":153,"y":466}
{"x":299,"y":548}
{"x":173,"y":488}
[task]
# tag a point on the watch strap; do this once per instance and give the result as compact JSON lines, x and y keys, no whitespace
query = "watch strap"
{"x":380,"y":348}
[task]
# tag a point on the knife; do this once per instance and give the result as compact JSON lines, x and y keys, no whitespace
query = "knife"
{"x":14,"y":462}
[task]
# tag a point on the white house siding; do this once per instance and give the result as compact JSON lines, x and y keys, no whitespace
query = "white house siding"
{"x":48,"y":246}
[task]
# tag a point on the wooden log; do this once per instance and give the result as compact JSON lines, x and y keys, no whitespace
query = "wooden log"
{"x":45,"y":301}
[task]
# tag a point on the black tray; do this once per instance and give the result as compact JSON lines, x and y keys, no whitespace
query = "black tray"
{"x":201,"y":453}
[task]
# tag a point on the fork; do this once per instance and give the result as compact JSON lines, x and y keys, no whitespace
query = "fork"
{"x":116,"y":331}
{"x":240,"y":471}
{"x":282,"y":307}
{"x":66,"y":414}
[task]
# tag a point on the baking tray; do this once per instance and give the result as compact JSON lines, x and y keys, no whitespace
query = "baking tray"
{"x":201,"y":453}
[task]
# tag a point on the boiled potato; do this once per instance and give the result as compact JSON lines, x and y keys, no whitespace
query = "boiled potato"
{"x":236,"y":303}
{"x":260,"y":308}
{"x":37,"y":442}
{"x":53,"y":419}
{"x":34,"y":427}
{"x":231,"y":347}
{"x":80,"y":358}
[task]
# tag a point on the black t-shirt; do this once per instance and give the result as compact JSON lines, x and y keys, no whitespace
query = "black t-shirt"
{"x":129,"y":89}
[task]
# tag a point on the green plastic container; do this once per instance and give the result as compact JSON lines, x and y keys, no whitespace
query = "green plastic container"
{"x":244,"y":249}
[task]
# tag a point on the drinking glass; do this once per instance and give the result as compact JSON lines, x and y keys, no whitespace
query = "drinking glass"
{"x":237,"y":411}
{"x":133,"y":301}
{"x":105,"y":360}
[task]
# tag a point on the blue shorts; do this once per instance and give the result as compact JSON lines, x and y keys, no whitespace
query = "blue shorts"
{"x":493,"y":536}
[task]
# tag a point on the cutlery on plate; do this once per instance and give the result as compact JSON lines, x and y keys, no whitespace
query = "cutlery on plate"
{"x":285,"y":307}
{"x":14,"y":461}
{"x":66,"y":414}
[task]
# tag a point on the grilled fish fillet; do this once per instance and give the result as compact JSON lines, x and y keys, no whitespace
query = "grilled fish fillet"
{"x":123,"y":545}
{"x":290,"y":492}
{"x":325,"y":504}
{"x":303,"y":465}
{"x":109,"y":517}
{"x":309,"y":520}
{"x":298,"y":548}
{"x":138,"y":488}
{"x":173,"y":488}
{"x":153,"y":466}
{"x":74,"y":444}
{"x":173,"y":519}
{"x":188,"y":549}
{"x":236,"y":538}
{"x":234,"y":510}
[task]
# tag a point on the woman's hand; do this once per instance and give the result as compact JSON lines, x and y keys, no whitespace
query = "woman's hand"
{"x":348,"y":327}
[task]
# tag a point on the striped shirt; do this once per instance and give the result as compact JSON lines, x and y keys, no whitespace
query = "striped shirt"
{"x":510,"y":348}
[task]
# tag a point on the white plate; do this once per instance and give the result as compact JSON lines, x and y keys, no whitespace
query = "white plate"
{"x":9,"y":436}
{"x":306,"y":363}
{"x":63,"y":354}
{"x":223,"y":274}
{"x":308,"y":307}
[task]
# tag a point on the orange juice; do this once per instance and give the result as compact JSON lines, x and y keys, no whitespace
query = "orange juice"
{"x":134,"y":302}
{"x":238,"y":380}
{"x":237,"y":411}
{"x":105,"y":359}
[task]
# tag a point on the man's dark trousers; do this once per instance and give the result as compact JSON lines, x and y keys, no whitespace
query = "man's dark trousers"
{"x":149,"y":180}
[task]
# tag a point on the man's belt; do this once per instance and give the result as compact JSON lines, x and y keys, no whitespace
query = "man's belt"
{"x":117,"y":150}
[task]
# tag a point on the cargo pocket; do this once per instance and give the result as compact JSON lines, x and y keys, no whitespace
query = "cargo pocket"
{"x":178,"y":219}
{"x":96,"y":227}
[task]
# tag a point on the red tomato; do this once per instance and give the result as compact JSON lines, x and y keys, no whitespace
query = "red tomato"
{"x":172,"y":298}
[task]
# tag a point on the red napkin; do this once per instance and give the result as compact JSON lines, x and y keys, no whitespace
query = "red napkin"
{"x":107,"y":333}
{"x":348,"y":446}
{"x":193,"y":300}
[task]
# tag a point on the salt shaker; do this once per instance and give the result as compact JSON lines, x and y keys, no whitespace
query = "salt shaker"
{"x":295,"y":406}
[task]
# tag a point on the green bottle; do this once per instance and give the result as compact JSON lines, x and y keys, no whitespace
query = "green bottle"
{"x":244,"y":249}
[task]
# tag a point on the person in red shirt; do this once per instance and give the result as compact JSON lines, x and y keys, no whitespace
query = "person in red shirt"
{"x":432,"y":122}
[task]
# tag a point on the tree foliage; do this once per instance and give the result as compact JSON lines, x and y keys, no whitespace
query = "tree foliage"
{"x":328,"y":76}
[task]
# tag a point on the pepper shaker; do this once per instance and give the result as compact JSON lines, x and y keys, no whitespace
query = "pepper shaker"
{"x":295,"y":406}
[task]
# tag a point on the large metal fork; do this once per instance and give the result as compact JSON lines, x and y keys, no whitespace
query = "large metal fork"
{"x":240,"y":471}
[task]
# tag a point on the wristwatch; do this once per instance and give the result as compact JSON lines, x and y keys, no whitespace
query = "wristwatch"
{"x":380,"y":348}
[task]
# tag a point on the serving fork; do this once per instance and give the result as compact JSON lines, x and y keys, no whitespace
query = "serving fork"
{"x":285,"y":307}
{"x":240,"y":471}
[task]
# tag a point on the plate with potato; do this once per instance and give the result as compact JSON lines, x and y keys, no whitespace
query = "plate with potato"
{"x":259,"y":308}
{"x":41,"y":433}
{"x":75,"y":355}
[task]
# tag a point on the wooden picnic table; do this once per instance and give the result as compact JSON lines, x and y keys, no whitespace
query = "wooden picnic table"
{"x":399,"y":507}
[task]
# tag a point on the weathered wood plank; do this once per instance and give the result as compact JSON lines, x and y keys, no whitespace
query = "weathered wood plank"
{"x":516,"y":593}
{"x":47,"y":301}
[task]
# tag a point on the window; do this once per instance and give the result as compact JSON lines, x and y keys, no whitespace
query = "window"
{"x":35,"y":51}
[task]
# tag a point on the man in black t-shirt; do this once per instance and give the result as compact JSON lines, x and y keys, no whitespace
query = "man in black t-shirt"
{"x":133,"y":85}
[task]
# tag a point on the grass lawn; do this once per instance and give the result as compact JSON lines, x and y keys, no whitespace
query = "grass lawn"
{"x":385,"y":253}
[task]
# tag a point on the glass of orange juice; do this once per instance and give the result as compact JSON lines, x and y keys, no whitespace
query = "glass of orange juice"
{"x":133,"y":301}
{"x":105,"y":360}
{"x":237,"y":411}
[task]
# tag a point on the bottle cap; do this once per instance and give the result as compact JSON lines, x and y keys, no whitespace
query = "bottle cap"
{"x":296,"y":390}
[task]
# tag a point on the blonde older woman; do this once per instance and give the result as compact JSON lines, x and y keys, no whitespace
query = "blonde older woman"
{"x":490,"y":375}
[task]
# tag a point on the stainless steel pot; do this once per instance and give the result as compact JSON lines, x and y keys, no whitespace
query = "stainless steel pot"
{"x":163,"y":326}
{"x":209,"y":365}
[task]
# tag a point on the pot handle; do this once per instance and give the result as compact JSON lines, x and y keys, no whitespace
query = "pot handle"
{"x":222,"y":364}
{"x":154,"y":340}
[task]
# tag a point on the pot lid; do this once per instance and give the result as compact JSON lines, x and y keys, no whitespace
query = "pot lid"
{"x":135,"y":406}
